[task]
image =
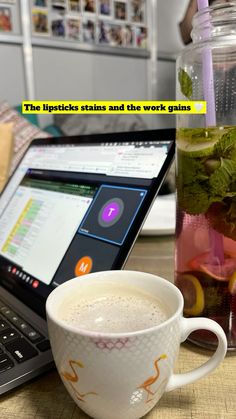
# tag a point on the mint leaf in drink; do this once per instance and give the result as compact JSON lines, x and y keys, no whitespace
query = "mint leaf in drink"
{"x":206,"y":175}
{"x":192,"y":170}
{"x":230,"y":194}
{"x":193,"y":199}
{"x":192,"y":185}
{"x":222,"y":217}
{"x":186,"y":84}
{"x":220,"y":181}
{"x":227,"y":145}
{"x":198,"y":142}
{"x":211,"y":165}
{"x":191,"y":134}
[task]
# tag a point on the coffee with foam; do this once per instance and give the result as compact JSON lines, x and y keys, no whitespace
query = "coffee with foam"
{"x":112,"y":308}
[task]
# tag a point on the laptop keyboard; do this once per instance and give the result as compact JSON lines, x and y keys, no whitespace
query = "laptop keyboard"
{"x":19,"y":341}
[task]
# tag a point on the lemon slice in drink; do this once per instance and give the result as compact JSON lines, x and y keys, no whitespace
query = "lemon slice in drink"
{"x":193,"y":294}
{"x":203,"y":149}
{"x":232,"y":284}
{"x":198,"y":142}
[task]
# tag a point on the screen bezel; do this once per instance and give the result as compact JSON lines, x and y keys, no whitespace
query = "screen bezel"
{"x":37,"y":302}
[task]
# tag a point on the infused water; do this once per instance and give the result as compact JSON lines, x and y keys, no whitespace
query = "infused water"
{"x":206,"y":227}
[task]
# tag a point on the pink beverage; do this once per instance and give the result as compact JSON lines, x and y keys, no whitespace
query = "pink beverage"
{"x":206,"y":227}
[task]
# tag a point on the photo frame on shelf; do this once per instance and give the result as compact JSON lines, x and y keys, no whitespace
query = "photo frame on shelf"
{"x":59,"y":5}
{"x":115,"y":35}
{"x":5,"y":19}
{"x":40,"y":24}
{"x":120,"y":10}
{"x":73,"y":28}
{"x":89,"y":31}
{"x":141,"y":36}
{"x":105,"y":8}
{"x":104,"y":32}
{"x":89,"y":6}
{"x":127,"y":36}
{"x":109,"y":34}
{"x":40,"y":3}
{"x":75,"y":5}
{"x":111,"y":23}
{"x":138,"y":11}
{"x":58,"y":27}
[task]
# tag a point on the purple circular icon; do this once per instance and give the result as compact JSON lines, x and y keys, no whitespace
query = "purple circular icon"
{"x":111,"y":212}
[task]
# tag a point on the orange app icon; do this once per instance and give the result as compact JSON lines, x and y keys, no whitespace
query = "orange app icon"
{"x":83,"y":266}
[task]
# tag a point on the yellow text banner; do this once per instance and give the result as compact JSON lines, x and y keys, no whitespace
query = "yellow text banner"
{"x":114,"y":107}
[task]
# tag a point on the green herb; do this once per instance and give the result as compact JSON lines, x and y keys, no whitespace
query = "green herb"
{"x":227,"y":144}
{"x":222,"y":217}
{"x":222,"y":177}
{"x":194,"y":199}
{"x":203,"y":181}
{"x":192,"y":170}
{"x":211,"y":165}
{"x":186,"y":84}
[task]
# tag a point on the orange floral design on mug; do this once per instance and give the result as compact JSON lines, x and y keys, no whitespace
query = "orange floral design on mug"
{"x":146,"y":385}
{"x":74,"y":378}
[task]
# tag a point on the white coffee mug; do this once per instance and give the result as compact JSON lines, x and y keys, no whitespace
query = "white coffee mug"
{"x":123,"y":375}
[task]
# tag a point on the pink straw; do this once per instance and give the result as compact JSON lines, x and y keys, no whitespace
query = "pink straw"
{"x":202,"y":4}
{"x":208,"y":79}
{"x":216,"y":239}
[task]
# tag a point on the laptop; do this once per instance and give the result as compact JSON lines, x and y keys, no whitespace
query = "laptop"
{"x":74,"y":205}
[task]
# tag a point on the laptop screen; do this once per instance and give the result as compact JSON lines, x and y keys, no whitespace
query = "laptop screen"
{"x":75,"y":206}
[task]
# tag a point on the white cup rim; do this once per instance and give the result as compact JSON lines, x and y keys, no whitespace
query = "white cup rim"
{"x":107,"y":335}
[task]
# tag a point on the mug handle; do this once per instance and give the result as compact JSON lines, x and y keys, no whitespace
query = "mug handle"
{"x":187,"y":326}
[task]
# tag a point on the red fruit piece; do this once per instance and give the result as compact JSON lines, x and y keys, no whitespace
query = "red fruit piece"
{"x":211,"y":266}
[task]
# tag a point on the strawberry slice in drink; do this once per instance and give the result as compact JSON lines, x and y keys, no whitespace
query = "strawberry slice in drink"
{"x":211,"y":265}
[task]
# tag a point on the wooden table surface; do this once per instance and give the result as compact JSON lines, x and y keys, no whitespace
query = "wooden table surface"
{"x":213,"y":397}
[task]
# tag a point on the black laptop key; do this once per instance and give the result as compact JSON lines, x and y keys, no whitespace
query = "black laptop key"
{"x":13,"y":317}
{"x":5,"y":363}
{"x":28,"y":331}
{"x":21,"y":350}
{"x":44,"y":346}
{"x":4,"y":325}
{"x":32,"y":335}
{"x":8,"y":313}
{"x":2,"y":304}
{"x":4,"y":309}
{"x":8,"y":336}
{"x":20,"y":324}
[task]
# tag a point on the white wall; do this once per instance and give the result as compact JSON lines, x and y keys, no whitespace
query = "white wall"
{"x":12,"y":81}
{"x":62,"y":74}
{"x":165,"y":91}
{"x":77,"y":75}
{"x":121,"y":78}
{"x":169,"y":14}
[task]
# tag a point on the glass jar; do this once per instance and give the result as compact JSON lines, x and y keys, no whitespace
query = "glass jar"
{"x":205,"y":257}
